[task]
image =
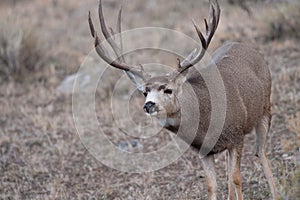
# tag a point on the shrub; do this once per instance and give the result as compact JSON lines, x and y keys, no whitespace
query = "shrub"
{"x":20,"y":50}
{"x":283,"y":21}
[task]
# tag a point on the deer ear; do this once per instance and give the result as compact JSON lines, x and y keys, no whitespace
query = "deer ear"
{"x":138,"y":81}
{"x":181,"y":78}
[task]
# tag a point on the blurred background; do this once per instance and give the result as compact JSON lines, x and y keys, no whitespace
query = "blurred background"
{"x":42,"y":45}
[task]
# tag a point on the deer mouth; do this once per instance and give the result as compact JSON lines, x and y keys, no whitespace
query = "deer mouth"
{"x":150,"y":108}
{"x":152,"y":111}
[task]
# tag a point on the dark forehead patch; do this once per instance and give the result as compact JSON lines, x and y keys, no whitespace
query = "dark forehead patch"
{"x":158,"y":82}
{"x":155,"y":86}
{"x":162,"y":87}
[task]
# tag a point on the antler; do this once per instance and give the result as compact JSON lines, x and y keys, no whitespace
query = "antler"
{"x":102,"y":52}
{"x":196,"y":55}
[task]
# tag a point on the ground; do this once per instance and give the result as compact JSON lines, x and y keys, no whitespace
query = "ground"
{"x":41,"y":153}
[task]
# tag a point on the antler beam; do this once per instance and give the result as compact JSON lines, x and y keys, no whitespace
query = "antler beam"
{"x":100,"y":49}
{"x":211,"y":27}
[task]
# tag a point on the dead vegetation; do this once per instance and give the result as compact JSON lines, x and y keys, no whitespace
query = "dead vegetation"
{"x":41,"y":155}
{"x":21,"y":51}
{"x":282,"y":21}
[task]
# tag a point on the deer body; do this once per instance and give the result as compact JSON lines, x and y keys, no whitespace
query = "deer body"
{"x":247,"y":81}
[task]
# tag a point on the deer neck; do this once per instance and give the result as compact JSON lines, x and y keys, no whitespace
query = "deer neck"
{"x":171,"y":122}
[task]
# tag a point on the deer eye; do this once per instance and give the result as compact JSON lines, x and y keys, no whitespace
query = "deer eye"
{"x":147,"y":89}
{"x":168,"y":91}
{"x":162,"y":87}
{"x":145,"y":94}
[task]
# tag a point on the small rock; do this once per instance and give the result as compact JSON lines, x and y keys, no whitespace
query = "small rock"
{"x":129,"y":145}
{"x":66,"y":86}
{"x":123,"y":145}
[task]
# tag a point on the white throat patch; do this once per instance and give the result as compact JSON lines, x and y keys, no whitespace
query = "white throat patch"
{"x":167,"y":122}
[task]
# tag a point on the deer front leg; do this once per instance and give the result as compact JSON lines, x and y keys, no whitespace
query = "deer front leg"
{"x":234,"y":174}
{"x":208,"y":164}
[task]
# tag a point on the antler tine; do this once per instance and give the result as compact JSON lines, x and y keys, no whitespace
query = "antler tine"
{"x":210,"y":28}
{"x":119,"y":28}
{"x":215,"y":16}
{"x":200,"y":35}
{"x":218,"y":12}
{"x":106,"y":34}
{"x":212,"y":24}
{"x":91,"y":25}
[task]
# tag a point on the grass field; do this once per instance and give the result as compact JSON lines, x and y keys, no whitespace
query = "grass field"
{"x":41,"y":154}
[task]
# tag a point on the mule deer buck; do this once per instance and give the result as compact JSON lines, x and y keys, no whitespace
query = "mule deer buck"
{"x":247,"y":83}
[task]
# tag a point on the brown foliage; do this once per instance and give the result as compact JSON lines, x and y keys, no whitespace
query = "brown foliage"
{"x":20,"y":49}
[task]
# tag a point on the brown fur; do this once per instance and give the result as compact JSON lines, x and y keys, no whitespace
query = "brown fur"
{"x":247,"y":83}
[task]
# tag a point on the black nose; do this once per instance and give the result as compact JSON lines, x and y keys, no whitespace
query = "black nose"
{"x":148,"y":106}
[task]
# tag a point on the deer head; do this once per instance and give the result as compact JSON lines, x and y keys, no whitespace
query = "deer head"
{"x":161,"y":92}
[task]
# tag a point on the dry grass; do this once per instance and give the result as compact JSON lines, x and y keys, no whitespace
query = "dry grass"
{"x":41,"y":155}
{"x":289,"y":187}
{"x":21,"y":51}
{"x":281,"y":20}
